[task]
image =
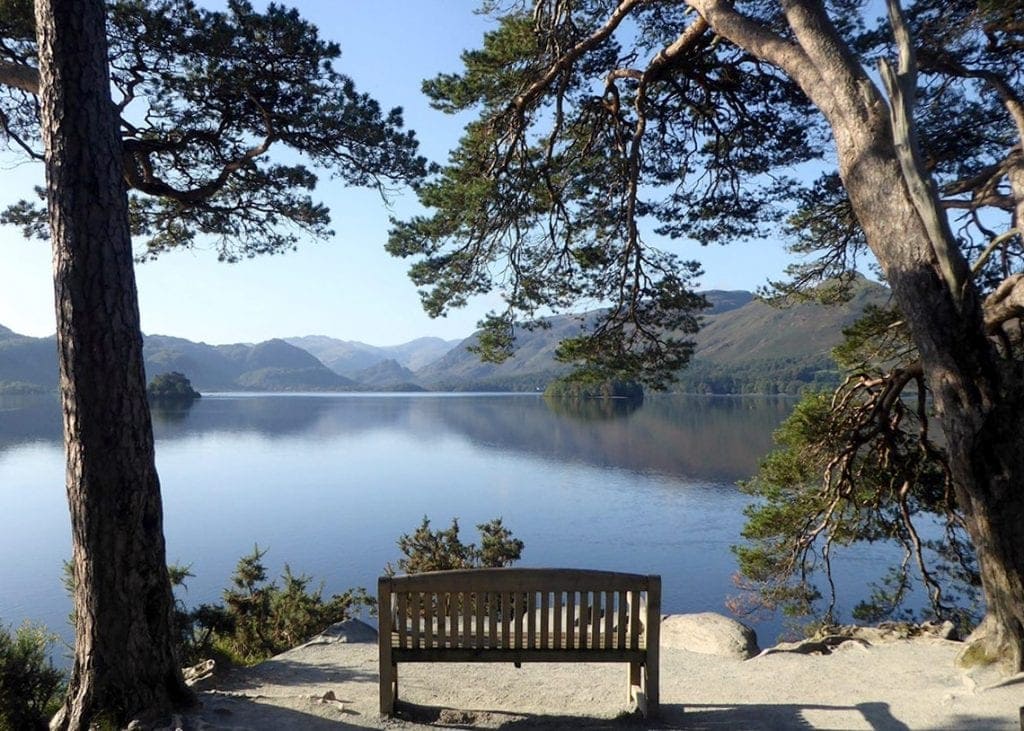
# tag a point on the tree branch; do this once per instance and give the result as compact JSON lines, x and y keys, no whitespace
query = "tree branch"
{"x":901,"y":86}
{"x":567,"y":59}
{"x":760,"y":41}
{"x":19,"y":76}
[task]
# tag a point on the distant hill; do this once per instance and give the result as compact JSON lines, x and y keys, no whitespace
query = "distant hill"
{"x":27,"y":364}
{"x":758,"y":348}
{"x":531,"y":368}
{"x":745,"y":346}
{"x":387,"y":374}
{"x":347,"y":357}
{"x":273,"y":365}
{"x":30,"y":364}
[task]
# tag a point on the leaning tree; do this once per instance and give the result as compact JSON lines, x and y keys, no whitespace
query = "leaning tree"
{"x":600,"y":124}
{"x":180,"y":155}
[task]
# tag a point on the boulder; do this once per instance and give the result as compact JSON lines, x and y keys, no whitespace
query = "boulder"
{"x":351,"y":630}
{"x":709,"y":634}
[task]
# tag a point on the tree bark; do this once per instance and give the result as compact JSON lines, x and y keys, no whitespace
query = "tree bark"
{"x":979,"y":399}
{"x":125,"y":662}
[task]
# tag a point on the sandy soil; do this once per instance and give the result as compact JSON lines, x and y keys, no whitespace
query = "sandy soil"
{"x":331,"y":683}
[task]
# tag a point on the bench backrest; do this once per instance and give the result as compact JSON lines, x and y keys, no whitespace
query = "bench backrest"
{"x":517,"y":608}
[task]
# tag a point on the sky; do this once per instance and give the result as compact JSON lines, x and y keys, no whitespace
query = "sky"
{"x":348,"y":287}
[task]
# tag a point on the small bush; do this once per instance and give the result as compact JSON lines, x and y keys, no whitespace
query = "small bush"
{"x":441,"y":550}
{"x":30,"y":686}
{"x":260,"y":618}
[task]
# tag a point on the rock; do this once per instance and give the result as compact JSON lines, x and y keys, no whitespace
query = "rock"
{"x":199,"y":672}
{"x":351,"y":630}
{"x":709,"y":634}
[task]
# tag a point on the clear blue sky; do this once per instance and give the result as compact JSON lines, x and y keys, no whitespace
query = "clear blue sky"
{"x":349,"y":287}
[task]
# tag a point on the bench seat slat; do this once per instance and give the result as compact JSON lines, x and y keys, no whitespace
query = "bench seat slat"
{"x":467,"y":654}
{"x":461,"y":641}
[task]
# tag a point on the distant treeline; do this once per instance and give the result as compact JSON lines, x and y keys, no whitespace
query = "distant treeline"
{"x":790,"y":376}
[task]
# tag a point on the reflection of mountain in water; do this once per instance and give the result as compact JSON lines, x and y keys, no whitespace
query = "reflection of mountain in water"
{"x":593,"y":409}
{"x":716,"y":439}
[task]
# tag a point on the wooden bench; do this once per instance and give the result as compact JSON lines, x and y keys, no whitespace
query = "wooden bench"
{"x":521,"y":615}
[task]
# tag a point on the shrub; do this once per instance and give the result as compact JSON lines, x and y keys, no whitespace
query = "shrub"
{"x":30,"y":686}
{"x":259,"y":618}
{"x":429,"y":550}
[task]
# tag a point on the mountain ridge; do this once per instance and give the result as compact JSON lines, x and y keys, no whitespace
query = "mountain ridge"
{"x":744,"y":346}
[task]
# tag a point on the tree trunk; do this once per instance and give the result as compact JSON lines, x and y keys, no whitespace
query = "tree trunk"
{"x":124,"y":654}
{"x":979,"y":399}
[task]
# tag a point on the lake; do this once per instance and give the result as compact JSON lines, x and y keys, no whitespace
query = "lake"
{"x":327,"y":483}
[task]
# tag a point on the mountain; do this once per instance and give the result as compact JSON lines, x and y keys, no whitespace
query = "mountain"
{"x":745,"y":346}
{"x":347,"y":357}
{"x":27,"y":364}
{"x":30,"y":365}
{"x":531,"y":368}
{"x":273,"y":365}
{"x":387,"y":375}
{"x":758,"y":348}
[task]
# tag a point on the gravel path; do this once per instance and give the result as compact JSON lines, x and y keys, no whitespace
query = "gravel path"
{"x":331,"y":683}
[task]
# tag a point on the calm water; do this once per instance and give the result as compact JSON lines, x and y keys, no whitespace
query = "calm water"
{"x":328,"y":482}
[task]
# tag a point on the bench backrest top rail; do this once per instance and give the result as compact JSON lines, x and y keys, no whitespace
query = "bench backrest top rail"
{"x":520,"y":579}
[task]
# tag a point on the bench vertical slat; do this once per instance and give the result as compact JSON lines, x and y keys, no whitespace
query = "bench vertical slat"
{"x":506,"y":620}
{"x":545,"y":625}
{"x":595,"y":625}
{"x":438,"y":617}
{"x":570,"y":619}
{"x":467,"y":618}
{"x":518,"y":608}
{"x":416,"y":617}
{"x":609,"y":616}
{"x":428,"y":618}
{"x":403,"y":619}
{"x":493,"y":600}
{"x":622,"y":619}
{"x":634,"y":623}
{"x":481,"y":609}
{"x":584,"y":619}
{"x":531,"y":620}
{"x":558,"y":620}
{"x":454,"y":609}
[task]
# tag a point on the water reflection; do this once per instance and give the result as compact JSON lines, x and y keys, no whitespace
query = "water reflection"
{"x":171,"y":411}
{"x":593,"y":409}
{"x":712,"y":438}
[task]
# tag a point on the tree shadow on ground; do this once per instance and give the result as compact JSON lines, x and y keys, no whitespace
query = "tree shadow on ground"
{"x":482,"y":718}
{"x":284,"y":672}
{"x":217,"y":711}
{"x":700,"y":717}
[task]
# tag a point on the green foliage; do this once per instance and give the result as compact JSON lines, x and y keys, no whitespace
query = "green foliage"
{"x":30,"y":686}
{"x":442,"y":550}
{"x":207,"y":98}
{"x":171,"y":385}
{"x":786,"y":375}
{"x":257,"y":619}
{"x":577,"y":387}
{"x":261,"y":618}
{"x":838,"y":479}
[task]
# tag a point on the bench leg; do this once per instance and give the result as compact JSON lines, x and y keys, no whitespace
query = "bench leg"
{"x":651,"y":692}
{"x":388,"y":688}
{"x":634,"y":682}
